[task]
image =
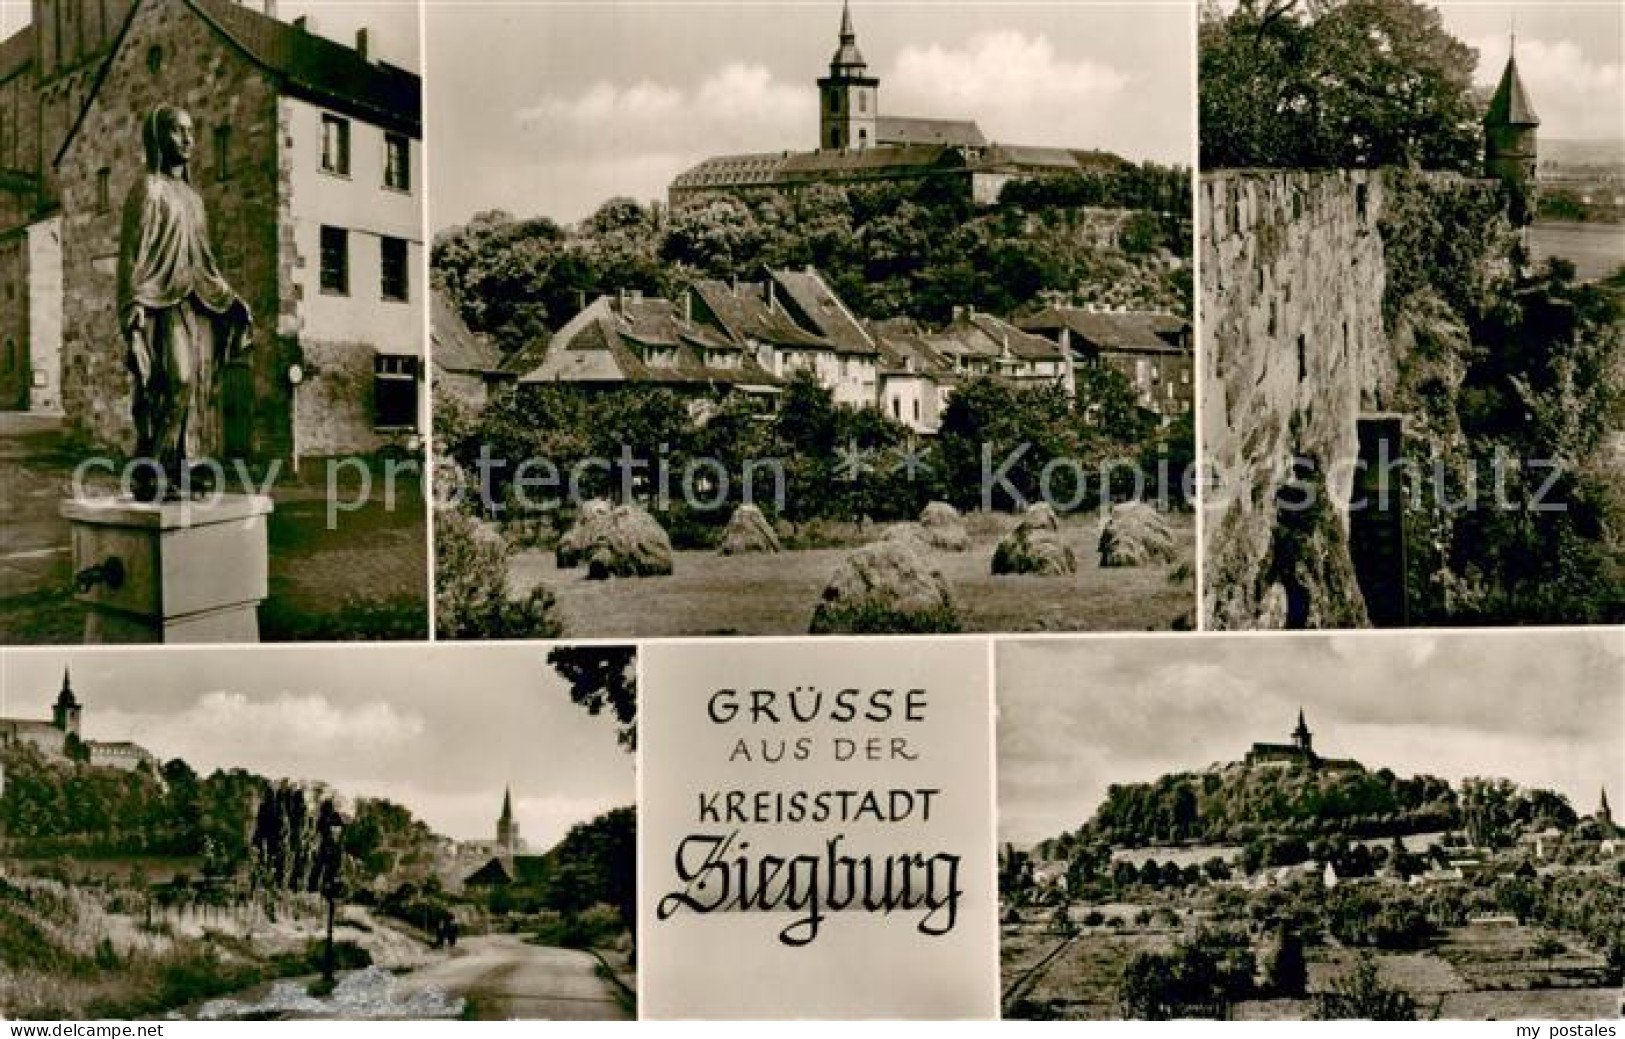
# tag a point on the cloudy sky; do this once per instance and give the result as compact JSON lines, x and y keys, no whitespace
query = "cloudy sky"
{"x":439,"y":729}
{"x":1569,"y":56}
{"x":394,"y":23}
{"x":1543,"y":709}
{"x":551,"y":109}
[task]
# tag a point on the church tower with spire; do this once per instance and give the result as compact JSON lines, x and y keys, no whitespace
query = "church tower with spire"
{"x":1302,"y":738}
{"x":1605,"y":814}
{"x":1510,"y":127}
{"x":507,"y":829}
{"x":848,"y":98}
{"x":65,"y":713}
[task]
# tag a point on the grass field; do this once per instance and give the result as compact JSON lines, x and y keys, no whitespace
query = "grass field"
{"x":365,"y":576}
{"x":710,"y":594}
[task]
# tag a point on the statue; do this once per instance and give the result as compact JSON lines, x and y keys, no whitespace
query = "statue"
{"x":176,"y":313}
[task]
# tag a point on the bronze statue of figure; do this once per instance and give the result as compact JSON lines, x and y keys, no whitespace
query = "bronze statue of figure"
{"x":177,"y":314}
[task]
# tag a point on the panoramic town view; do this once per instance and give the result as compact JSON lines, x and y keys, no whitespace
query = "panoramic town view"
{"x":730,"y":345}
{"x":318,"y":834}
{"x":1317,"y":828}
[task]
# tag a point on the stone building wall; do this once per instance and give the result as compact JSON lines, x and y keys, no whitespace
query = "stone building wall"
{"x":1293,"y":351}
{"x":14,"y":316}
{"x":19,"y":146}
{"x":1312,"y":328}
{"x":340,"y":336}
{"x":44,"y":343}
{"x":170,"y":55}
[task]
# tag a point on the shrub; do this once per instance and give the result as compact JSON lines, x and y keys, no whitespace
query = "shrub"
{"x":471,"y":586}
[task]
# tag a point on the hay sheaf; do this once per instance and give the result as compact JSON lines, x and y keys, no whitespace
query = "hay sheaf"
{"x":887,"y":586}
{"x":1135,"y":534}
{"x":1035,"y":547}
{"x":944,"y":528}
{"x":616,"y":541}
{"x":749,"y":533}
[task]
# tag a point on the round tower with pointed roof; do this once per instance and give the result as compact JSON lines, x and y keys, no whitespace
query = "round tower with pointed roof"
{"x":848,"y":98}
{"x":65,"y":714}
{"x":1510,"y":129}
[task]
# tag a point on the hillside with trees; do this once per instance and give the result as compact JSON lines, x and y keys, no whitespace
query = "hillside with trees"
{"x":1120,"y":236}
{"x":1240,"y":804}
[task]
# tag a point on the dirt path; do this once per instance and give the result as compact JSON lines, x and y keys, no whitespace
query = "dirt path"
{"x":503,"y":978}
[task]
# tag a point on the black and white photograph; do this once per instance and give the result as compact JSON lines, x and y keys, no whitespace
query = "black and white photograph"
{"x":301,"y":833}
{"x":1404,"y":827}
{"x":213,"y":315}
{"x":783,"y":318}
{"x":1412,"y":241}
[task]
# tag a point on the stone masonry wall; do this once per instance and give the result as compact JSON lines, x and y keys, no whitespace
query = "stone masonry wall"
{"x":198,"y":70}
{"x":1293,"y":352}
{"x":1297,"y":281}
{"x":45,"y":316}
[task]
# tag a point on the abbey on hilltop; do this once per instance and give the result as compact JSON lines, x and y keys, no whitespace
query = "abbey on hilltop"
{"x":859,"y":143}
{"x":1301,"y":751}
{"x":61,"y":738}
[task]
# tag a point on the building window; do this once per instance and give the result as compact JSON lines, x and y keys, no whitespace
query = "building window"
{"x":104,"y":190}
{"x":336,"y":260}
{"x":863,"y":101}
{"x":222,"y":153}
{"x":395,"y":391}
{"x":335,"y":145}
{"x":155,"y":59}
{"x":394,"y":281}
{"x":397,"y":162}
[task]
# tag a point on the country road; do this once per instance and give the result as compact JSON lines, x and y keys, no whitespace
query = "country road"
{"x":503,"y":977}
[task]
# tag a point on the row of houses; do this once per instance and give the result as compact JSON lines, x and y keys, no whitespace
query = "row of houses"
{"x":309,"y":158}
{"x":753,"y":337}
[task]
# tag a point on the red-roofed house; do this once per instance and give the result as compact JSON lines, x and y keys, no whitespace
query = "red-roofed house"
{"x":1152,"y":350}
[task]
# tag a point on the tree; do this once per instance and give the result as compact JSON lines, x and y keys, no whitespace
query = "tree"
{"x":1145,"y":991}
{"x":1288,"y":971}
{"x":596,"y":862}
{"x":1361,"y":995}
{"x":1335,"y":84}
{"x":602,"y":678}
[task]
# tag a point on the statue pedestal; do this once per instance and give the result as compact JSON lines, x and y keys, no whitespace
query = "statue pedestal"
{"x":170,"y":571}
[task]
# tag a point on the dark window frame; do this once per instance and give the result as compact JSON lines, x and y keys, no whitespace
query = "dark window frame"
{"x":222,"y":152}
{"x":336,"y":145}
{"x":394,"y":273}
{"x":396,"y":388}
{"x":335,"y":261}
{"x":398,"y":175}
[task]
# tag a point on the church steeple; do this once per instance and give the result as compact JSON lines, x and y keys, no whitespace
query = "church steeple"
{"x":1510,"y":129}
{"x":65,"y":714}
{"x":1604,"y":813}
{"x":507,"y":829}
{"x":847,"y":56}
{"x":848,"y":98}
{"x":1301,"y":736}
